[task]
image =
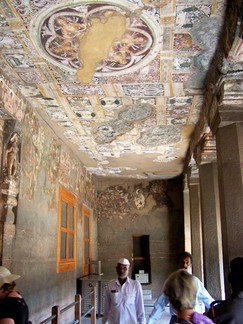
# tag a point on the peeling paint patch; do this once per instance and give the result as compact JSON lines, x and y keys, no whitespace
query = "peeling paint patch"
{"x":118,"y":202}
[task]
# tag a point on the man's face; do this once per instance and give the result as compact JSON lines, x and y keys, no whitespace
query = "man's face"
{"x":122,"y":270}
{"x":185,"y":263}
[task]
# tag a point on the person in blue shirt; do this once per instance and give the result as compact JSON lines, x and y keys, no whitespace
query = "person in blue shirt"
{"x":181,"y":290}
{"x":124,"y":298}
{"x":203,"y":298}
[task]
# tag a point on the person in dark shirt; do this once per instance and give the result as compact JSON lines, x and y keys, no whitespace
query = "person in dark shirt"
{"x":231,"y":310}
{"x":13,"y":308}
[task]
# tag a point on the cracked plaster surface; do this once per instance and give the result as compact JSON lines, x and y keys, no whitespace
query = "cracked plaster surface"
{"x":159,"y":64}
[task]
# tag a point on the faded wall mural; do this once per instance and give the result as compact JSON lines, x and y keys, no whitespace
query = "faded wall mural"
{"x":35,"y":163}
{"x":117,"y":202}
{"x":132,"y":208}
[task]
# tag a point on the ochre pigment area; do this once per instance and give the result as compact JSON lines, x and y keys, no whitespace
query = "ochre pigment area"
{"x":95,"y":45}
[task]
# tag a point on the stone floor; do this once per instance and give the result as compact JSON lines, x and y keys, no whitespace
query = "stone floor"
{"x":148,"y":303}
{"x":164,"y":320}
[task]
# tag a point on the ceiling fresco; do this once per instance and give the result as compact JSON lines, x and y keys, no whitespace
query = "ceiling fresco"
{"x":121,"y":82}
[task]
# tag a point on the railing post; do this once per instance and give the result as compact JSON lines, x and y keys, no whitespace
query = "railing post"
{"x":93,"y":304}
{"x":77,"y":309}
{"x":81,"y":306}
{"x":56,"y":311}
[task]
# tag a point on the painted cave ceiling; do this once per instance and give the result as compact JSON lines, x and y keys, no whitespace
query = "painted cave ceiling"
{"x":121,"y":82}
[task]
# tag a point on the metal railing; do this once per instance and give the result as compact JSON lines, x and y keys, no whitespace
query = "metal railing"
{"x":57,"y":311}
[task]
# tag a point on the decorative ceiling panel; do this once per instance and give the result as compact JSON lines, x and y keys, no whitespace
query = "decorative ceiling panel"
{"x":121,"y":81}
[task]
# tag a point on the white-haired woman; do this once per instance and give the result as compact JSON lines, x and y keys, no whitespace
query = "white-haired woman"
{"x":13,"y":308}
{"x":181,"y":289}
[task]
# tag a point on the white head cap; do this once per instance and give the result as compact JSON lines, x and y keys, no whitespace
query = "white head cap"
{"x":124,"y":261}
{"x":6,"y":276}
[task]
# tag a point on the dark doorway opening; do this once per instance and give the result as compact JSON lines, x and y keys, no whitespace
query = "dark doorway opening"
{"x":141,"y":267}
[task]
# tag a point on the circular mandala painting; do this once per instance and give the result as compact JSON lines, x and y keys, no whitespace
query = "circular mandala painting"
{"x":60,"y":32}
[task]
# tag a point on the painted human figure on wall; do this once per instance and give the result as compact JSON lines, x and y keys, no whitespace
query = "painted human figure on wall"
{"x":12,"y":156}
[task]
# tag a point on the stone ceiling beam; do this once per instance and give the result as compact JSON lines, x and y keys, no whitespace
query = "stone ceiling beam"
{"x":205,"y":151}
{"x":226,"y":105}
{"x":224,"y":86}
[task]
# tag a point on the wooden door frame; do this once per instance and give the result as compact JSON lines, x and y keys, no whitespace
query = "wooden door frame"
{"x":86,"y":212}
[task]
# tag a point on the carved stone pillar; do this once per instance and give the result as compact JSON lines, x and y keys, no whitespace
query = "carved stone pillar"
{"x":230,"y":167}
{"x":223,"y":113}
{"x":187,"y":217}
{"x":196,"y":225}
{"x":9,"y":194}
{"x":10,"y":184}
{"x":226,"y":121}
{"x":210,"y":212}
